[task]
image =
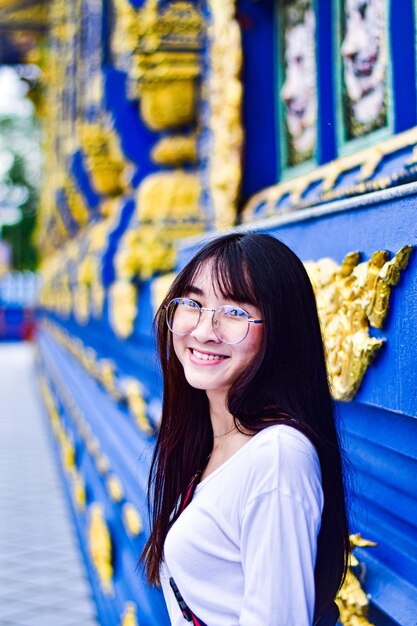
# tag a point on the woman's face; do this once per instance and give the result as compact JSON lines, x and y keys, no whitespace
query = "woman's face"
{"x":196,"y":350}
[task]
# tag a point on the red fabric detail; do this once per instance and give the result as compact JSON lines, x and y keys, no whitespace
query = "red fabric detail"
{"x":190,"y":491}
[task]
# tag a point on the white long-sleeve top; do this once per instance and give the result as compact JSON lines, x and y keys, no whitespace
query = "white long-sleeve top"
{"x":243,"y":551}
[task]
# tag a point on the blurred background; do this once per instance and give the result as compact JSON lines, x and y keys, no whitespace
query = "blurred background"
{"x":130,"y":132}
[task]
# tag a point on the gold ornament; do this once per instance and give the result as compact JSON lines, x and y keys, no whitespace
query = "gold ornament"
{"x":123,"y":308}
{"x":100,"y":546}
{"x":367,"y":160}
{"x":350,"y":298}
{"x":103,"y":158}
{"x":105,"y":373}
{"x":102,"y":463}
{"x":137,"y":405}
{"x":172,"y":196}
{"x":132,"y":519}
{"x":129,"y":615}
{"x":160,"y":50}
{"x":175,"y":150}
{"x":352,"y":601}
{"x":114,"y":487}
{"x":78,"y":490}
{"x":159,"y":289}
{"x":224,"y":89}
{"x":168,"y":208}
{"x":76,"y":203}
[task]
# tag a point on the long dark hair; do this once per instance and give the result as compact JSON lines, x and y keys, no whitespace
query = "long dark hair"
{"x":286,"y":383}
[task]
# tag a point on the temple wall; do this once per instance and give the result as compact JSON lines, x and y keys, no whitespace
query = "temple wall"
{"x":166,"y":123}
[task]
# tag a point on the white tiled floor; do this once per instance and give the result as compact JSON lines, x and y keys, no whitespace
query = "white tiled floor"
{"x":42,"y":578}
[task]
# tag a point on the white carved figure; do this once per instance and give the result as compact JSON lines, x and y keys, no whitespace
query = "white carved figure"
{"x":364,"y":59}
{"x":299,"y":89}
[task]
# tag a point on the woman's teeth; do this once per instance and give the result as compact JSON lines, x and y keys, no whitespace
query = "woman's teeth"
{"x":207,"y":357}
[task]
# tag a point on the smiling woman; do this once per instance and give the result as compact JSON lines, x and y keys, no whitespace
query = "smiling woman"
{"x":247,"y":429}
{"x":222,"y":339}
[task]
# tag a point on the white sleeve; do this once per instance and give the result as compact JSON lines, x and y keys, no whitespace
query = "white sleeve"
{"x":279,"y":544}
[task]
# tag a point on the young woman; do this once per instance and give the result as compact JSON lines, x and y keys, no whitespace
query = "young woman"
{"x":248,"y":415}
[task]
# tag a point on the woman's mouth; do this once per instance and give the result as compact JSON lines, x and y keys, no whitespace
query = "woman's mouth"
{"x":206,"y":357}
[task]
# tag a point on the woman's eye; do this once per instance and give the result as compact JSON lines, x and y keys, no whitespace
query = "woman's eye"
{"x":236,"y":313}
{"x":193,"y":304}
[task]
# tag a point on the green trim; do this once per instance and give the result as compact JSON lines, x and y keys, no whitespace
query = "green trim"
{"x":278,"y":105}
{"x":285,"y":172}
{"x":348,"y":146}
{"x":414,"y":7}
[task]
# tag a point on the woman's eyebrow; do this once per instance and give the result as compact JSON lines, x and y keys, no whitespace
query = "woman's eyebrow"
{"x":193,"y":289}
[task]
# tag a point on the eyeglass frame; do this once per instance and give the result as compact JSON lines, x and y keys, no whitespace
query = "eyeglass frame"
{"x":250,"y":319}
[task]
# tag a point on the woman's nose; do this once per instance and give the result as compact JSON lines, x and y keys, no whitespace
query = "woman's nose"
{"x":204,"y":329}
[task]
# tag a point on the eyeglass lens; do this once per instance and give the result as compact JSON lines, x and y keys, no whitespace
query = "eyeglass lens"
{"x":230,"y":323}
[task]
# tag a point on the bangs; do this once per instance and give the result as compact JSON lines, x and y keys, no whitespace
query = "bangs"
{"x":230,"y":276}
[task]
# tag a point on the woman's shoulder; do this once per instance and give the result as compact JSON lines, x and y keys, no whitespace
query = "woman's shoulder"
{"x":283,"y":458}
{"x":290,"y":440}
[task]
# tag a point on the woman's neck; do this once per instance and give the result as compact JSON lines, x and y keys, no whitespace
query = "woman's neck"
{"x":221,"y":418}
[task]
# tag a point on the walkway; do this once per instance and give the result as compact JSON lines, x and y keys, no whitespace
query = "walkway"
{"x":42,"y":578}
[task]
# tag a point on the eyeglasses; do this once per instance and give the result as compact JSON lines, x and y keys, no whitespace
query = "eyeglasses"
{"x":230,"y":323}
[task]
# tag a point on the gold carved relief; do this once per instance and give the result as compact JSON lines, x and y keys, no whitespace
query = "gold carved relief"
{"x":225,"y":97}
{"x":114,"y":487}
{"x":129,"y":617}
{"x":172,"y":196}
{"x":159,"y":289}
{"x":367,"y":160}
{"x":137,"y":405}
{"x":352,"y":600}
{"x":160,"y":50}
{"x":100,"y":545}
{"x":168,"y":208}
{"x":106,"y":374}
{"x":103,"y":157}
{"x":175,"y":150}
{"x":351,"y":298}
{"x":123,"y":307}
{"x":132,"y":519}
{"x":76,"y":203}
{"x":78,"y":490}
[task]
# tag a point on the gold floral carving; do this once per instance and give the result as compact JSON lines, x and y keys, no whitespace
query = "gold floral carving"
{"x":123,"y":307}
{"x":129,"y":617}
{"x":175,"y":150}
{"x":159,"y":288}
{"x":137,"y":405}
{"x":102,"y":463}
{"x":103,"y":158}
{"x":168,"y":208}
{"x":67,"y":447}
{"x":105,"y":373}
{"x":351,"y":298}
{"x":132,"y":519}
{"x":172,"y":196}
{"x":126,"y":389}
{"x":352,"y":600}
{"x":327,"y":175}
{"x":81,"y":259}
{"x":76,"y":203}
{"x":86,"y":274}
{"x":160,"y":50}
{"x":24,"y":16}
{"x":114,"y":487}
{"x":100,"y":545}
{"x":224,"y":88}
{"x":78,"y":490}
{"x":66,"y":444}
